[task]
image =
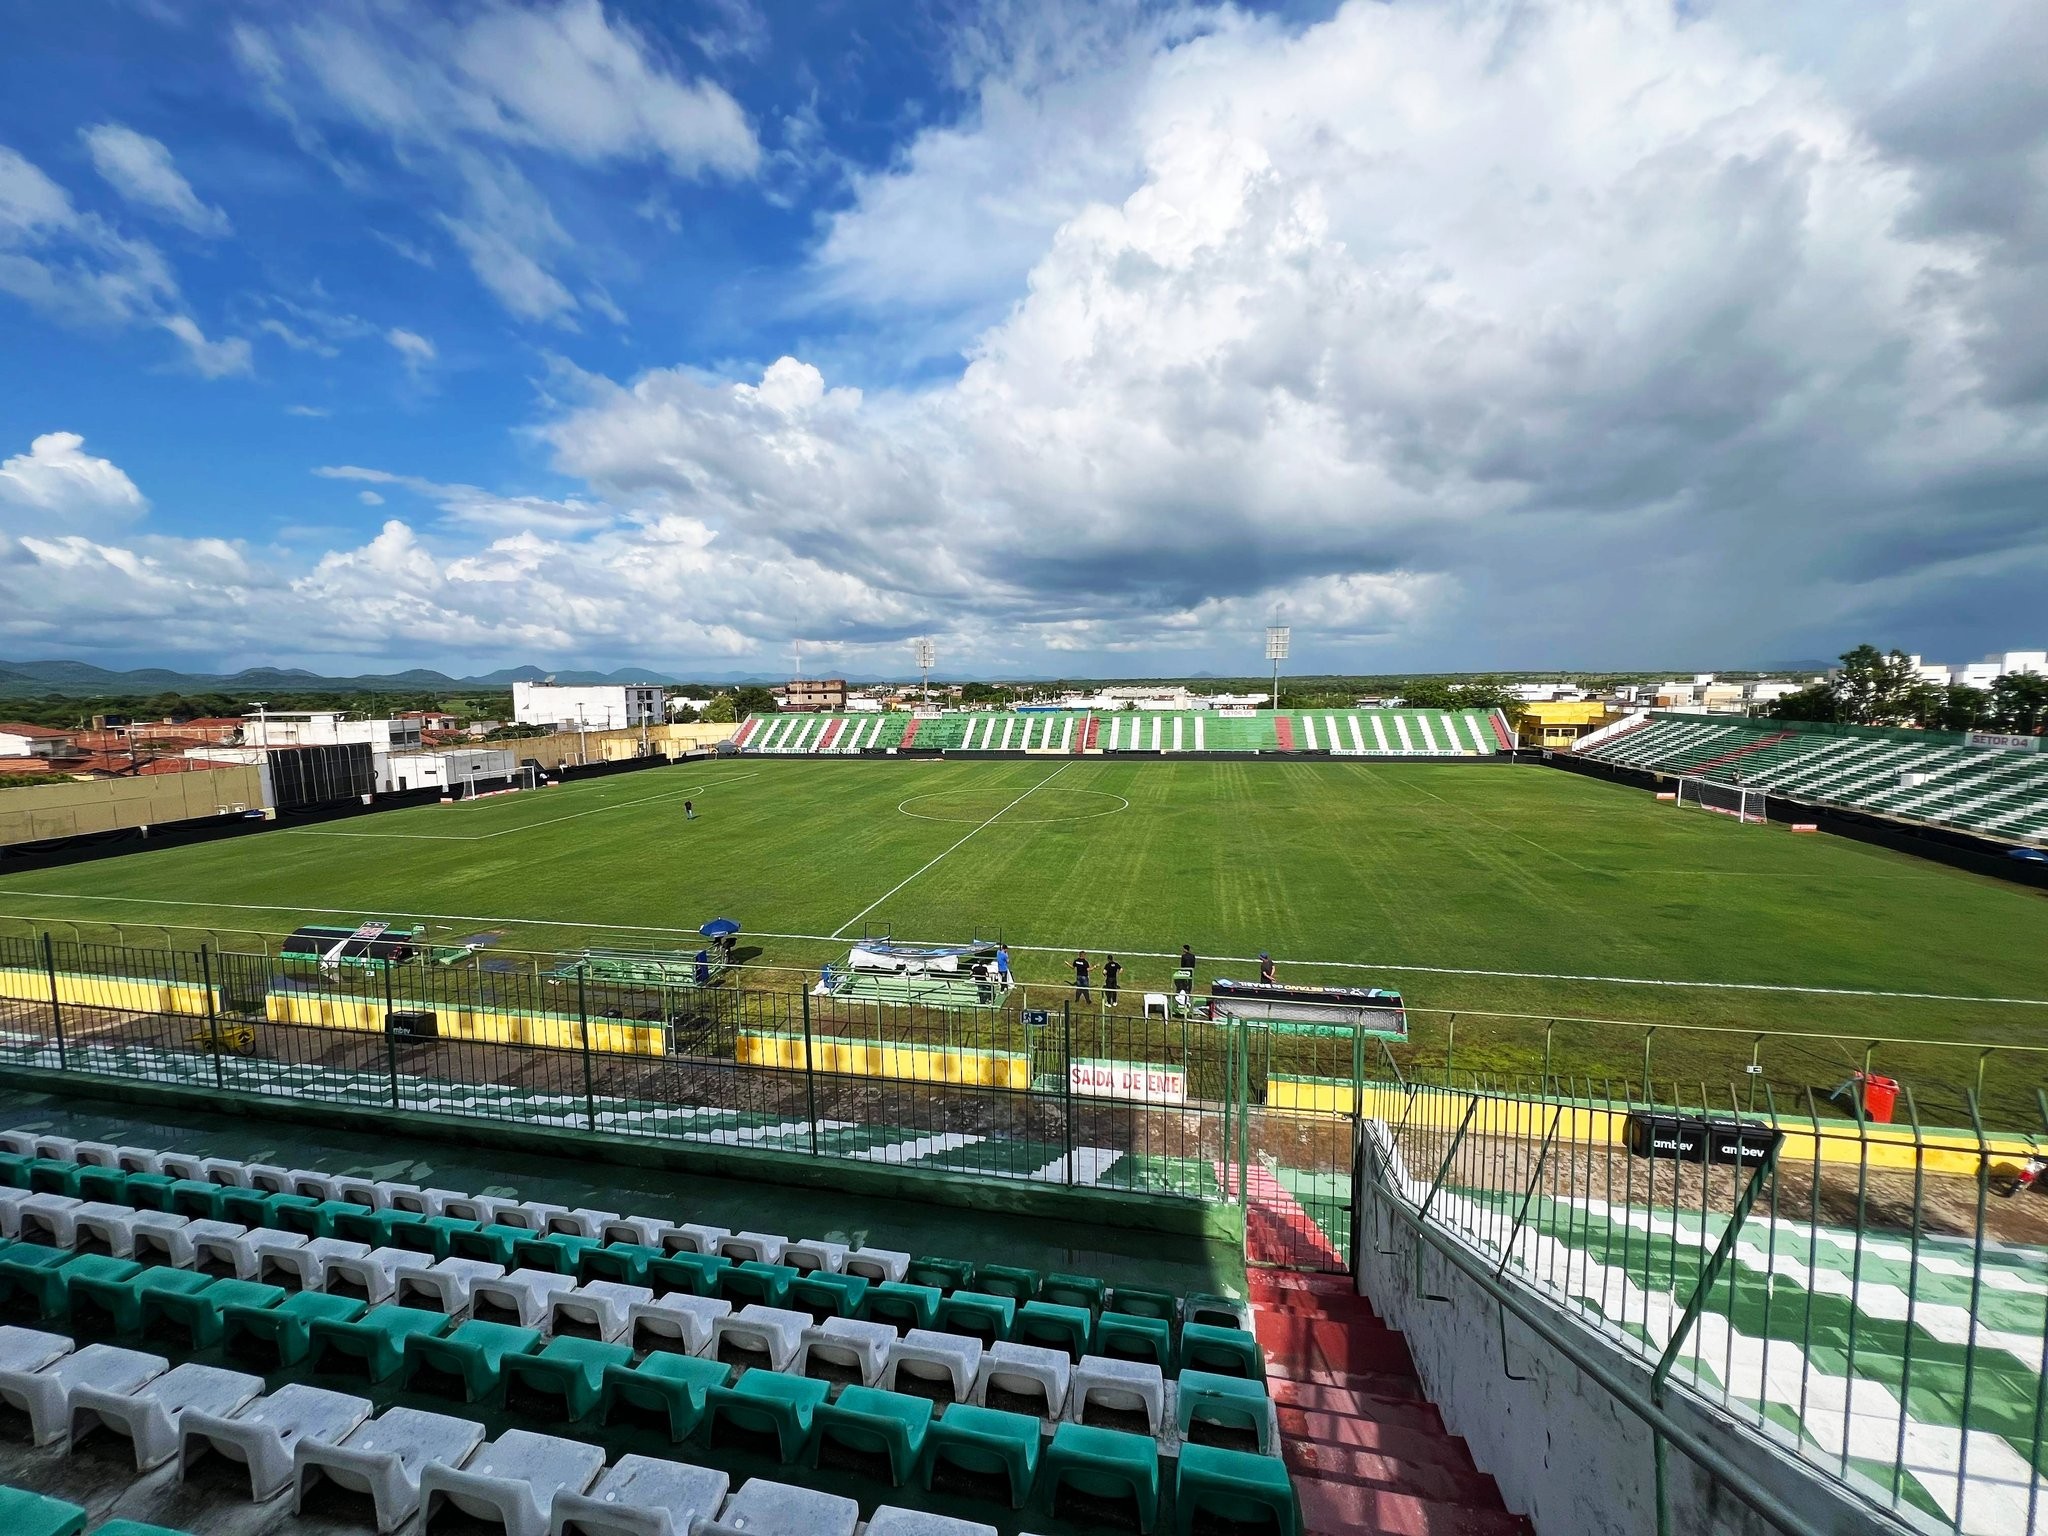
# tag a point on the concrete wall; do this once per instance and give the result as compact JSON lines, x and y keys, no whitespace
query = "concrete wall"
{"x":35,"y":811}
{"x":1564,"y":1448}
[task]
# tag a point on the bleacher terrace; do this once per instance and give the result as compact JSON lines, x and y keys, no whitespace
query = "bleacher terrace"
{"x":1340,"y":733}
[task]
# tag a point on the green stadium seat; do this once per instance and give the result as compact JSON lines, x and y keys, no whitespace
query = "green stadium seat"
{"x":1123,"y":1337}
{"x":768,"y":1403}
{"x":51,"y":1286}
{"x":626,"y":1263}
{"x":1055,"y":1326}
{"x":21,"y":1264}
{"x":31,"y":1514}
{"x":988,"y":1318}
{"x":1223,"y":1351}
{"x":946,"y":1274}
{"x":108,"y":1184}
{"x":467,"y":1363}
{"x":54,"y":1176}
{"x":1104,"y":1464}
{"x":558,"y":1252}
{"x":695,"y":1273}
{"x":1073,"y":1291}
{"x":984,"y":1442}
{"x":754,"y":1281}
{"x":198,"y":1198}
{"x":199,"y":1317}
{"x":870,"y":1422}
{"x":112,"y":1303}
{"x":670,"y":1385}
{"x":566,"y":1372}
{"x":259,"y":1207}
{"x":373,"y":1343}
{"x":433,"y":1235}
{"x":138,"y":1528}
{"x":1239,"y":1488}
{"x":14,"y":1171}
{"x":903,"y":1305}
{"x":149,"y":1191}
{"x":281,"y":1336}
{"x":1137,"y":1301}
{"x":316,"y":1220}
{"x":824,"y":1294}
{"x":1229,"y":1401}
{"x":494,"y":1244}
{"x":1007,"y":1280}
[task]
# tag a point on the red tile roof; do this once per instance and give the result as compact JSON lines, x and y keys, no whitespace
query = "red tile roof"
{"x":34,"y":732}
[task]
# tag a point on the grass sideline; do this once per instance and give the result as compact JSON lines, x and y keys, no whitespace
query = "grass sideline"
{"x":1597,"y":894}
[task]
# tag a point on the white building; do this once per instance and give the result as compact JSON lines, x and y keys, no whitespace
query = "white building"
{"x":1767,"y":690}
{"x":449,"y":770}
{"x":1982,"y":674}
{"x":595,"y":707}
{"x":329,"y":728}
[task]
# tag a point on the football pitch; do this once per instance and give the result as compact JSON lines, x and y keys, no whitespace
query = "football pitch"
{"x":1495,"y":899}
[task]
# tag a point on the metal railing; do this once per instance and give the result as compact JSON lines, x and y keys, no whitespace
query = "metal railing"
{"x":1873,"y":1299}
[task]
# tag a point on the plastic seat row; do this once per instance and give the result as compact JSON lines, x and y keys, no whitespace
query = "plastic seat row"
{"x":177,"y":1182}
{"x":33,"y":1514}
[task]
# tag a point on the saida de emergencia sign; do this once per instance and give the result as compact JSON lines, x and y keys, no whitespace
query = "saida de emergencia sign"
{"x":1128,"y":1080}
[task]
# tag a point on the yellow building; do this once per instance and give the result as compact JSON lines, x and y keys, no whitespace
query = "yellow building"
{"x":1559,"y":722}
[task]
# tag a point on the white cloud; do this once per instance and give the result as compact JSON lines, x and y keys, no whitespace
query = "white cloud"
{"x":316,"y":412}
{"x":141,"y":170}
{"x":460,"y":100}
{"x":296,"y":340}
{"x":414,"y":348}
{"x":475,"y":507}
{"x":369,"y":498}
{"x":213,"y":359}
{"x":57,"y":481}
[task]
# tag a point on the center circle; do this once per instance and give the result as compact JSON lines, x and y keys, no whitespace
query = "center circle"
{"x":1045,"y":805}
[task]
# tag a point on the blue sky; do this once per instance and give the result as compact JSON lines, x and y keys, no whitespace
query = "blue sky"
{"x":358,"y":335}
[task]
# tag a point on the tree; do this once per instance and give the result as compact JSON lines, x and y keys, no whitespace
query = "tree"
{"x":1817,"y":702}
{"x":754,"y":700}
{"x":721,"y":710}
{"x":1429,"y":693}
{"x":2019,"y":703}
{"x":1957,"y":707}
{"x":1877,"y":687}
{"x":686,"y":714}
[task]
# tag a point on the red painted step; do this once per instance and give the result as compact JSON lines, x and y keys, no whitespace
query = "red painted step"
{"x":1344,"y":1509}
{"x":1089,"y":733}
{"x":1283,"y":732}
{"x":1379,"y":1469}
{"x":909,"y":732}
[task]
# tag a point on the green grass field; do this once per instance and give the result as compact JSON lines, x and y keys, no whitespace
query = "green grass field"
{"x":1438,"y":880}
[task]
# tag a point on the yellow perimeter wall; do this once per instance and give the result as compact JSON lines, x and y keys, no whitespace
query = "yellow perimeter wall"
{"x":32,"y":811}
{"x":859,"y":1058}
{"x":1890,"y":1146}
{"x":500,"y":1026}
{"x":128,"y":993}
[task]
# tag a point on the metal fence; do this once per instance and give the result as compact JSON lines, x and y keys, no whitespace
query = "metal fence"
{"x":1875,"y":1301}
{"x":1050,"y":1092}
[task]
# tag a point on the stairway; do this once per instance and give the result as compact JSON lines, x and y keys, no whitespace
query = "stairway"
{"x":1369,"y":1453}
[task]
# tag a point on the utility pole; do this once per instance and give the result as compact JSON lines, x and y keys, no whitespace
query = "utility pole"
{"x":1279,"y":638}
{"x":927,"y":655}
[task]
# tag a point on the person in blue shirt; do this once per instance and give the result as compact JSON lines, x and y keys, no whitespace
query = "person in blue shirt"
{"x":703,"y":967}
{"x":1003,"y":966}
{"x":1081,"y":977}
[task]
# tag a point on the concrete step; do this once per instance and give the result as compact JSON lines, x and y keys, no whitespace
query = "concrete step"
{"x":1340,"y":1432}
{"x":1292,"y":1341}
{"x":1348,"y":1509}
{"x":1401,"y":1474}
{"x":1411,"y":1412}
{"x":1400,"y":1386}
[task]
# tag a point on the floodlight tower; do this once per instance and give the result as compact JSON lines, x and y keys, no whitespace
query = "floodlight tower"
{"x":927,"y":656}
{"x":1278,"y":639}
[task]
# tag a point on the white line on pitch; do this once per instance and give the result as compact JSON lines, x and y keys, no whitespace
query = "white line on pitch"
{"x":971,"y":832}
{"x":1062,"y":949}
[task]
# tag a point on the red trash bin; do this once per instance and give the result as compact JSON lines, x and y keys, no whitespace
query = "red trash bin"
{"x":1880,"y":1097}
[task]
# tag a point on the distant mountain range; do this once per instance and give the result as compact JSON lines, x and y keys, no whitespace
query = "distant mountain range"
{"x":79,"y":677}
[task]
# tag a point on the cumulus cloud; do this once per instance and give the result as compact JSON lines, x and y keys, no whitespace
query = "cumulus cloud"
{"x":414,"y":348}
{"x":56,"y":482}
{"x":457,"y":100}
{"x":141,"y":170}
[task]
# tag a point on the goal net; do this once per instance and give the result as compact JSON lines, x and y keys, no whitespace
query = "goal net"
{"x":525,"y":776}
{"x":1727,"y":799}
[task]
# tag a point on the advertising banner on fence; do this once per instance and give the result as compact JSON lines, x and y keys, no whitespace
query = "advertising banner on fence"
{"x":1998,"y":743}
{"x":1129,"y":1080}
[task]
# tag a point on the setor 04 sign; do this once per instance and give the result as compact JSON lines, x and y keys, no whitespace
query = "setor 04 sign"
{"x":1128,"y":1080}
{"x":1696,"y":1139}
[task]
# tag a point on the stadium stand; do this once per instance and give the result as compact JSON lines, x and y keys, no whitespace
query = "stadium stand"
{"x":1047,"y":1399}
{"x":1341,"y":732}
{"x":1921,"y":775}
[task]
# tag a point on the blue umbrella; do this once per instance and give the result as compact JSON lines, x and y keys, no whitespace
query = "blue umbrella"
{"x":719,"y":927}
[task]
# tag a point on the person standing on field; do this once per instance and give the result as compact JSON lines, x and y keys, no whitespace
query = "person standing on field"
{"x":1112,"y":975}
{"x":689,"y":810}
{"x":1081,"y":977}
{"x":1265,"y":968}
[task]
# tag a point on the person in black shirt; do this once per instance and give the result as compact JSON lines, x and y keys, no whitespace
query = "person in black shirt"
{"x":1112,"y":974}
{"x":1081,"y":977}
{"x":1187,"y":958}
{"x":1265,"y":968}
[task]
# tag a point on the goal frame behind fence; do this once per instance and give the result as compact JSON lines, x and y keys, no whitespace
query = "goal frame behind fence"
{"x":1746,"y":805}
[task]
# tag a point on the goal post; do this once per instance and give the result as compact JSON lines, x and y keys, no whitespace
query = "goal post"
{"x":1746,"y":805}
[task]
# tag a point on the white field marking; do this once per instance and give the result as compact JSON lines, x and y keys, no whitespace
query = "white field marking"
{"x":528,"y":826}
{"x":971,"y":832}
{"x":1121,"y":806}
{"x":1068,"y":949}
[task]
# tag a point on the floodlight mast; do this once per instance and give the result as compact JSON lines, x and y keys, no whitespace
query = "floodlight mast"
{"x":926,"y":655}
{"x":1278,"y":639}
